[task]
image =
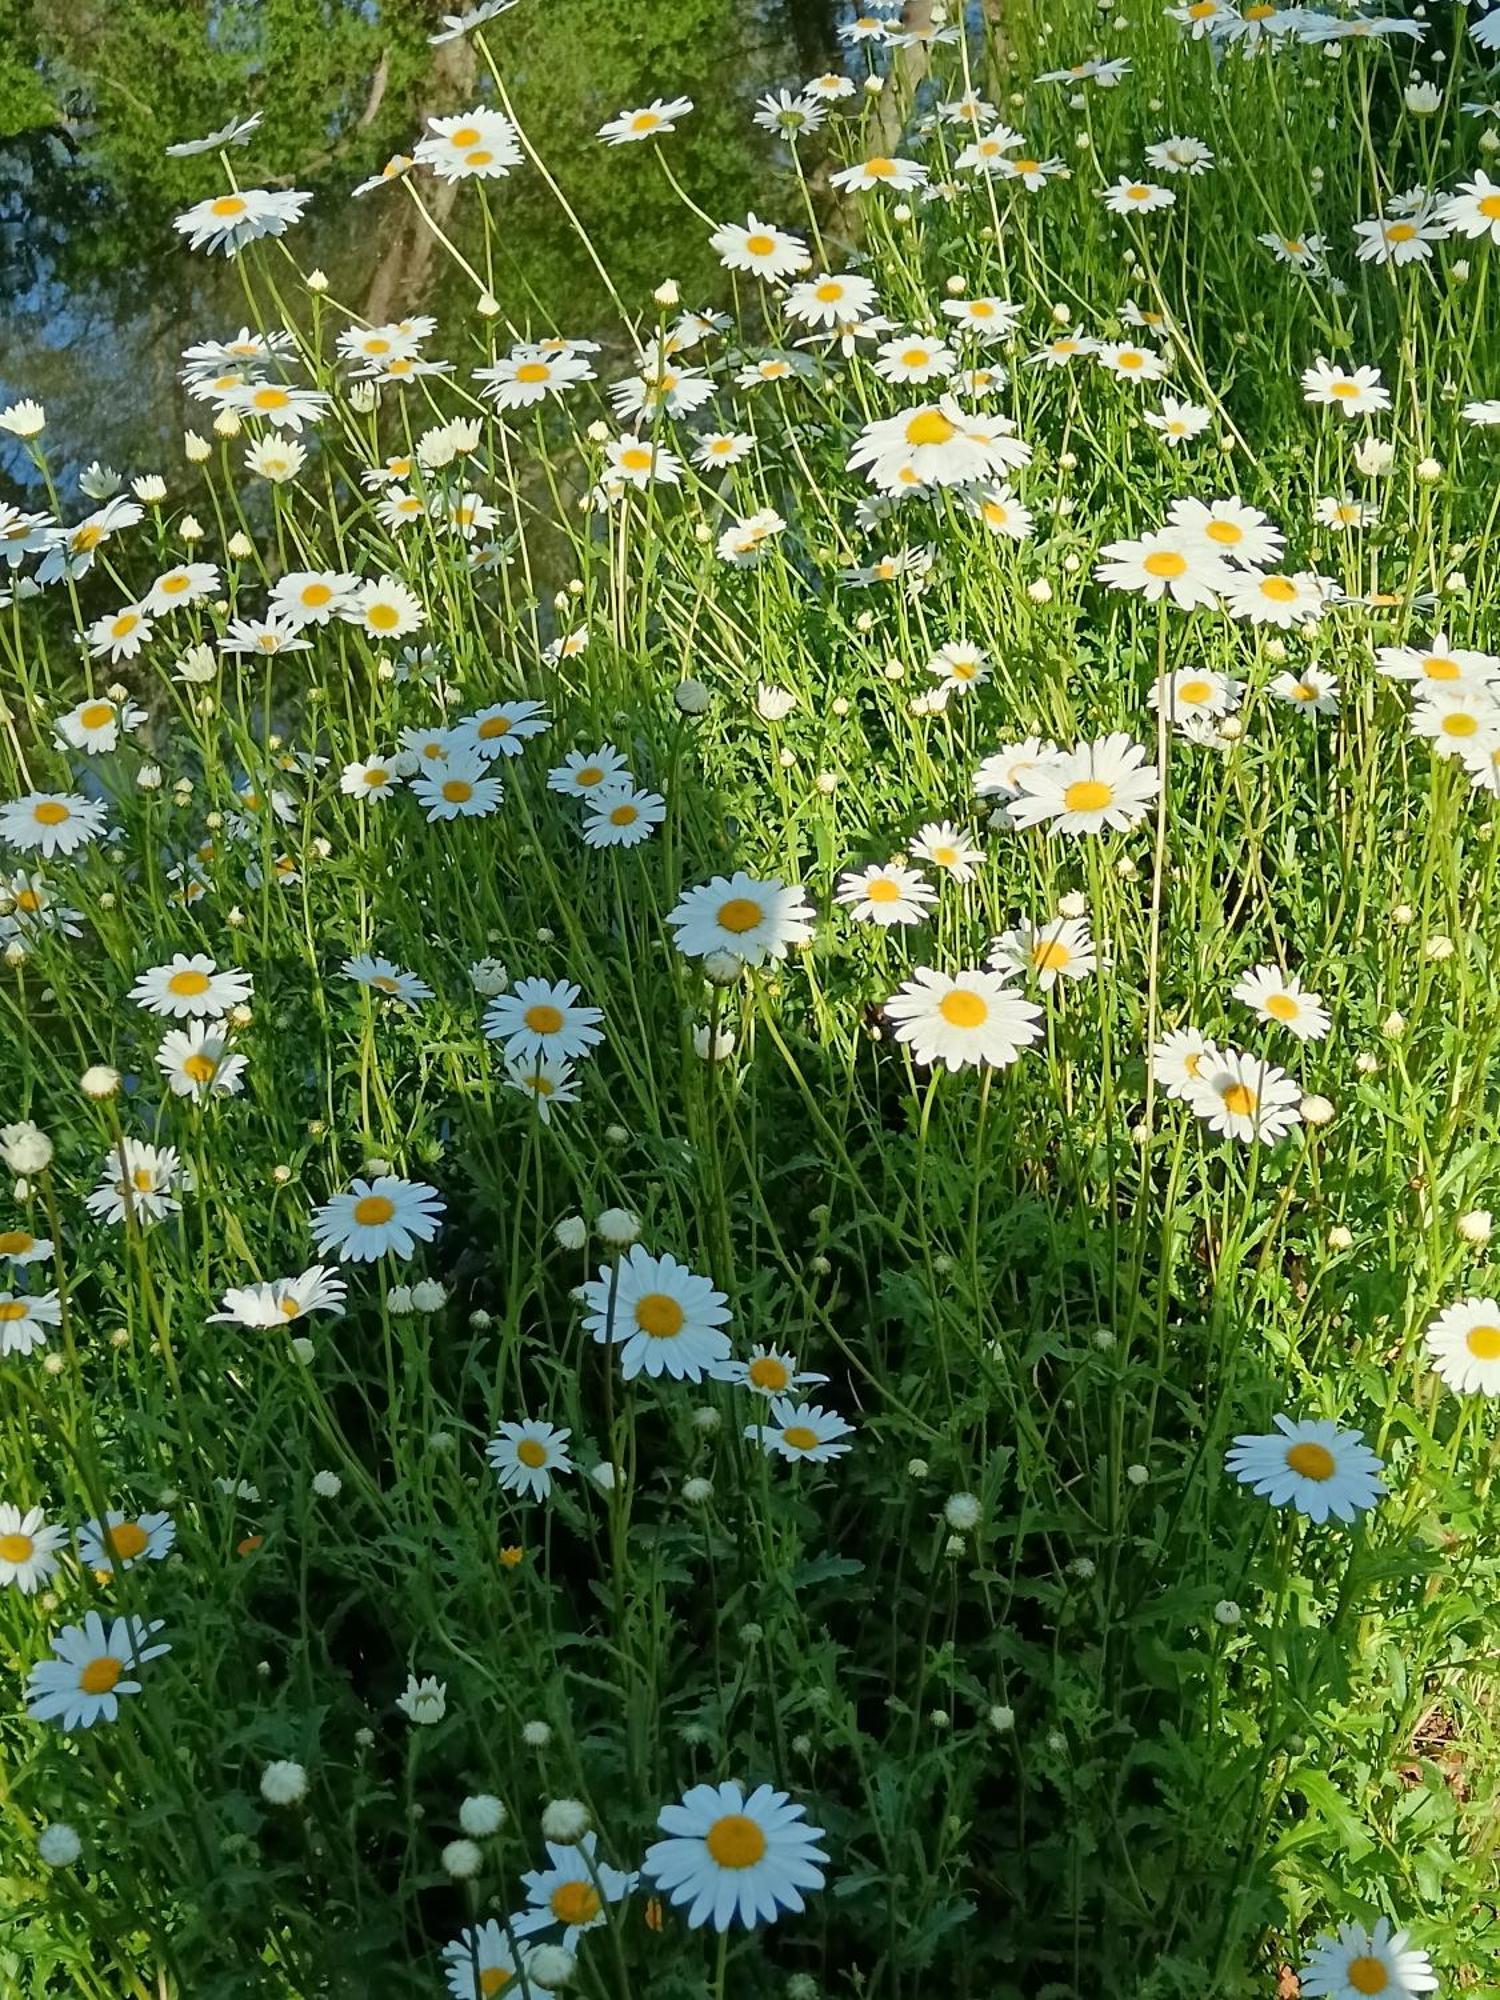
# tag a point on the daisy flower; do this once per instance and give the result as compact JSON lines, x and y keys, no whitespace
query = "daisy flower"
{"x":375,"y":778}
{"x":1000,"y":511}
{"x":1128,"y":197}
{"x":138,"y":1180}
{"x":914,"y":357}
{"x":320,"y":1288}
{"x":376,"y":1218}
{"x":640,"y":462}
{"x":652,"y":121}
{"x":186,"y":584}
{"x":1096,"y":787}
{"x":120,"y":635}
{"x":769,"y":1372}
{"x":1313,"y":688}
{"x":526,"y":1455}
{"x":1179,"y":422}
{"x":25,"y":1318}
{"x":983,"y":319}
{"x":286,"y":409}
{"x":21,"y":1248}
{"x":880,"y":172}
{"x":458,"y":787}
{"x":1359,"y":1960}
{"x":190,"y":985}
{"x":1398,"y":239}
{"x":760,"y":247}
{"x":885,"y":894}
{"x":51,"y":823}
{"x":959,"y":665}
{"x":1136,"y":364}
{"x":386,"y":610}
{"x":526,"y":377}
{"x":268,"y":636}
{"x":1061,"y":949}
{"x":382,"y":977}
{"x":622,"y":818}
{"x":314,"y":596}
{"x":1167,"y":562}
{"x":197,"y":1062}
{"x":1453,"y":718}
{"x":942,"y":846}
{"x":1229,"y":528}
{"x":1281,"y":998}
{"x":936,"y":444}
{"x":1001,"y":774}
{"x":1245,"y":1098}
{"x":120,"y":1541}
{"x":546,"y":1080}
{"x":727,"y":1855}
{"x":1313,"y":1466}
{"x":1473,"y":210}
{"x":800,"y":1431}
{"x":92,"y":1666}
{"x":826,"y":300}
{"x":971,"y":1016}
{"x":1440,"y":663}
{"x":585,"y":773}
{"x":473,"y":145}
{"x":95,"y":727}
{"x":1263,"y":598}
{"x":716,"y":448}
{"x":1463,"y":1343}
{"x":1031,"y":172}
{"x":664,"y":1318}
{"x":28,"y":1548}
{"x":572,"y":1891}
{"x":1182,"y":1060}
{"x":737,"y":913}
{"x":228,"y":222}
{"x":541,"y":1017}
{"x":1356,"y":393}
{"x":1193,"y":691}
{"x":479,"y":1963}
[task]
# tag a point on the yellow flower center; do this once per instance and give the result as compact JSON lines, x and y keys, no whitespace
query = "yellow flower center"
{"x":1281,"y":1006}
{"x":201,"y":1068}
{"x":766,"y":1372}
{"x":1279,"y":589}
{"x":1027,"y":166}
{"x":1138,"y":192}
{"x":574,"y":1902}
{"x":493,"y":726}
{"x":659,"y":1315}
{"x":372,"y":1211}
{"x":492,"y":1979}
{"x":1195,"y":690}
{"x":740,"y":914}
{"x":96,"y":714}
{"x":384,"y":617}
{"x":1460,"y":725}
{"x":457,"y":791}
{"x":645,"y":121}
{"x":126,"y":1539}
{"x":930,"y":427}
{"x":914,"y":357}
{"x":1052,"y":955}
{"x":880,"y":168}
{"x":1165,"y":563}
{"x":16,"y":1548}
{"x":1088,"y":795}
{"x":735,"y":1841}
{"x":531,"y":1453}
{"x":760,"y":245}
{"x":13,"y":1309}
{"x":123,"y":626}
{"x":591,"y":774}
{"x":533,"y":371}
{"x":624,"y":815}
{"x":99,"y":1676}
{"x":376,"y":776}
{"x":1484,"y":1342}
{"x":228,"y":204}
{"x":635,"y":458}
{"x":466,"y":135}
{"x":962,"y":1009}
{"x":52,"y":812}
{"x":269,"y":397}
{"x":478,"y":158}
{"x":1315,"y":1461}
{"x":188,"y":983}
{"x":143,"y":1180}
{"x":1489,"y":207}
{"x":1343,"y":387}
{"x":882,"y":890}
{"x":1399,"y":232}
{"x":1436,"y":668}
{"x":383,"y":983}
{"x":1239,"y":1099}
{"x":543,"y":1018}
{"x":15,"y":1242}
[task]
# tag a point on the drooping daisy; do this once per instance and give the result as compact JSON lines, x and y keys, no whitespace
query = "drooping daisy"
{"x":28,"y":1548}
{"x":120,"y":1541}
{"x":191,"y":985}
{"x":664,"y":1318}
{"x":541,"y":1017}
{"x":376,"y":1218}
{"x":137,"y":1180}
{"x":284,"y":1300}
{"x":1105,"y":785}
{"x":885,"y":894}
{"x":1464,"y":1345}
{"x":1353,"y":392}
{"x":1281,"y":998}
{"x":1311,"y":1465}
{"x":527,"y":1455}
{"x":21,"y":1248}
{"x":198,"y":1062}
{"x":25,"y":1318}
{"x":1245,"y":1098}
{"x":472,"y":145}
{"x":573,"y":1891}
{"x":800,"y":1431}
{"x":727,"y":1855}
{"x":971,"y":1016}
{"x":386,"y":979}
{"x":51,"y":823}
{"x":622,"y":817}
{"x":652,"y":121}
{"x":93,"y":1664}
{"x":1061,"y":949}
{"x":737,"y":913}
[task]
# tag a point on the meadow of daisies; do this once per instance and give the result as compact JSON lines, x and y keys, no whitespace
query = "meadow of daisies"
{"x":749,"y":1065}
